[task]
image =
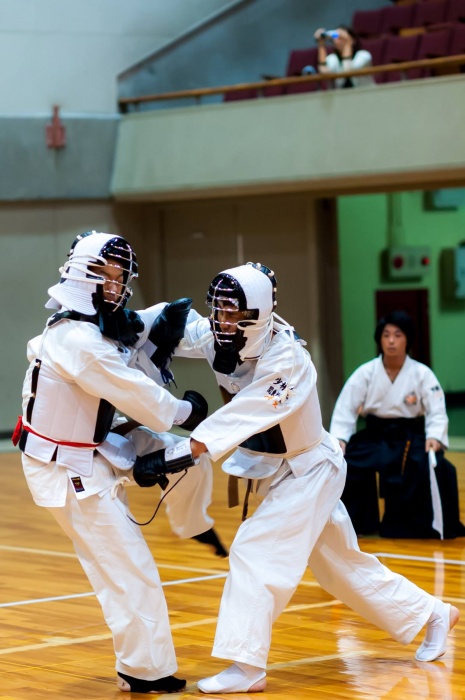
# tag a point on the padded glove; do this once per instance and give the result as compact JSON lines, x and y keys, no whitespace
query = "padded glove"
{"x":199,"y":409}
{"x":167,"y":331}
{"x":152,"y":468}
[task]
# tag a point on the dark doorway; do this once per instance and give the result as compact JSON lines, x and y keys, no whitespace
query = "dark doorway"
{"x":415,"y":302}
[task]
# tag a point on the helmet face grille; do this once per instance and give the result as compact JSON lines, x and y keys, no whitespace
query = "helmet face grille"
{"x":97,"y":274}
{"x":118,"y":253}
{"x":225,"y":294}
{"x":251,"y":290}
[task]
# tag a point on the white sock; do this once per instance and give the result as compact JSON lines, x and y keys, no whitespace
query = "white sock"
{"x":437,"y":628}
{"x":239,"y":677}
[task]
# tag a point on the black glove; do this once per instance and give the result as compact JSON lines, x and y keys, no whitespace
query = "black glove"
{"x":152,"y":468}
{"x":199,"y":409}
{"x":167,"y":330}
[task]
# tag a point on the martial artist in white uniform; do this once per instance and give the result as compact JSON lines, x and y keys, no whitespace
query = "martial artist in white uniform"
{"x":83,"y":366}
{"x":369,"y":391}
{"x":404,"y":407}
{"x":274,"y":422}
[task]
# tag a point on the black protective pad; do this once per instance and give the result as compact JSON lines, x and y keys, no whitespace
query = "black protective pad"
{"x":169,"y":684}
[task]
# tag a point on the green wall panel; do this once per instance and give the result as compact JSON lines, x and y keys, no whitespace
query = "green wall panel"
{"x":363,"y":235}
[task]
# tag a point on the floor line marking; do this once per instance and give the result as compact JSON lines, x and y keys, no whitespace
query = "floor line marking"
{"x":318,"y":659}
{"x":72,"y":596}
{"x":411,"y":557}
{"x":179,"y":567}
{"x":31,"y":601}
{"x":211,"y":576}
{"x":71,"y":555}
{"x":63,"y":641}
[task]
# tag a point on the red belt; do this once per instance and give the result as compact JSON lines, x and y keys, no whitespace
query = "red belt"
{"x":20,"y":427}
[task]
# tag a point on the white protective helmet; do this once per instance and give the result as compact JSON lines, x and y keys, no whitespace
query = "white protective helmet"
{"x":250,"y":288}
{"x":81,"y":287}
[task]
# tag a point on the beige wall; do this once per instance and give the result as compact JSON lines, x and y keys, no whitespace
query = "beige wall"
{"x":69,"y":53}
{"x":34,"y":241}
{"x":187,"y":244}
{"x":180,"y":248}
{"x":321,"y":142}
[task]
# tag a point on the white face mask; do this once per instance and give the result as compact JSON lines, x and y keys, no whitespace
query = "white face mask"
{"x":81,"y":278}
{"x":249,"y":290}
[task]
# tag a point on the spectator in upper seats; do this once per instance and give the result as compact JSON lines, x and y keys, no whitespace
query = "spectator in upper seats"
{"x":348,"y":55}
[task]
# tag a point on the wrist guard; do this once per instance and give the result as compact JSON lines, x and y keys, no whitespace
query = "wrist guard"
{"x":152,"y":468}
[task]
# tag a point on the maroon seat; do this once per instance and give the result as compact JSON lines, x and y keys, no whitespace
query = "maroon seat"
{"x":298,"y":59}
{"x":398,"y":50}
{"x":272,"y":91}
{"x":368,"y":23}
{"x":432,"y":45}
{"x":245,"y":94}
{"x":396,"y":18}
{"x":377,"y":49}
{"x":457,"y":42}
{"x":455,"y":11}
{"x":427,"y":14}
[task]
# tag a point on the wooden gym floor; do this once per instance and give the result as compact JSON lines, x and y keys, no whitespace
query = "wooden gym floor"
{"x":54,"y":642}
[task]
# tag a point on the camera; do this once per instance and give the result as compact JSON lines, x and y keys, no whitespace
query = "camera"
{"x":330,"y":34}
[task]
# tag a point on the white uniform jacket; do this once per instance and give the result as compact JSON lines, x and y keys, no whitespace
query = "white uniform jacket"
{"x":80,"y":369}
{"x":362,"y":59}
{"x":267,"y":423}
{"x":414,"y":392}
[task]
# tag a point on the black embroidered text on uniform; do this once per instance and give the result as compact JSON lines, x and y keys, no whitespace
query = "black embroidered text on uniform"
{"x":275,"y":390}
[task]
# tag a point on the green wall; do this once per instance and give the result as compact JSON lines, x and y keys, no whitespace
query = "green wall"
{"x":363,"y":234}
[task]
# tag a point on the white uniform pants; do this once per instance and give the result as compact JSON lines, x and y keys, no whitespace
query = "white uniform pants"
{"x":123,"y":574}
{"x":301,"y":521}
{"x":186,"y":505}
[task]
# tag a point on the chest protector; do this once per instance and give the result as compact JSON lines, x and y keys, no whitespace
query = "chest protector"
{"x":62,"y":422}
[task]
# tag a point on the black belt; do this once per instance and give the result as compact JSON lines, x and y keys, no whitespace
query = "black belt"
{"x":394,"y":428}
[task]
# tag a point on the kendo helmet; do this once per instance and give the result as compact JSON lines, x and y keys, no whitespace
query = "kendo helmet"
{"x":81,"y":284}
{"x":249,"y":288}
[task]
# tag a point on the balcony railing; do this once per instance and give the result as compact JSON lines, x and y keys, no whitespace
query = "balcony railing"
{"x":441,"y":65}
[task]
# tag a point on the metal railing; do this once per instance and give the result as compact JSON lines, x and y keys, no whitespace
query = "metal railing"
{"x":440,"y":64}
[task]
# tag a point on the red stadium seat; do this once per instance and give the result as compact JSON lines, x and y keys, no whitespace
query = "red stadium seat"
{"x":455,"y":11}
{"x":457,"y":43}
{"x":298,"y":59}
{"x":399,"y":49}
{"x":396,"y":18}
{"x":368,"y":23}
{"x":273,"y":91}
{"x":377,"y":49}
{"x":245,"y":94}
{"x":427,"y":14}
{"x":432,"y":45}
